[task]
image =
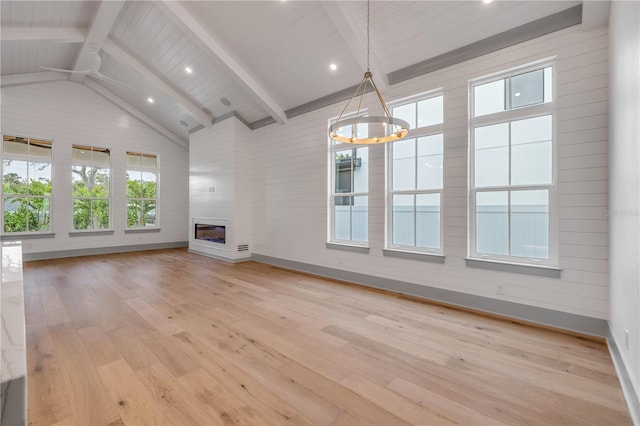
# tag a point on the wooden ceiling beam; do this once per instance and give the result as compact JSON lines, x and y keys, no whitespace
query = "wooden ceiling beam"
{"x":31,"y":78}
{"x":99,"y":30}
{"x":58,"y":35}
{"x":131,"y":61}
{"x":356,"y":40}
{"x":192,"y":28}
{"x":107,"y":94}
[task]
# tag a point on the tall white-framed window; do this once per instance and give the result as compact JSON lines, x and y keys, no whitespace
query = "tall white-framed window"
{"x":91,"y":187}
{"x":415,"y":176}
{"x":349,"y":193}
{"x":512,"y":171}
{"x":142,"y":193}
{"x":26,"y":184}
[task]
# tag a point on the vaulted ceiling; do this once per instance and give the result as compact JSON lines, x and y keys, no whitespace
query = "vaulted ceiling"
{"x":269,"y":59}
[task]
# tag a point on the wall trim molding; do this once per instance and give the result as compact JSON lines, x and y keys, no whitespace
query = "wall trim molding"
{"x":516,"y":268}
{"x":538,"y":28}
{"x":101,"y":250}
{"x":543,"y":26}
{"x":229,"y":115}
{"x":414,"y":255}
{"x":22,"y":236}
{"x":348,"y":247}
{"x":224,"y":259}
{"x":574,"y":323}
{"x":630,"y":395}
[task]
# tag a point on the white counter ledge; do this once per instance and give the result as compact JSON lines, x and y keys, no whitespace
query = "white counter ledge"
{"x":13,"y":371}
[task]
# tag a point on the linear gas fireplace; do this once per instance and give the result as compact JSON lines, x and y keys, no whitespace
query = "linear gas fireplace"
{"x":210,"y":233}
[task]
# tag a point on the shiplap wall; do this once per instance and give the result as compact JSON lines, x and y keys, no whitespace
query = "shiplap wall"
{"x":220,"y":169}
{"x":291,"y":190}
{"x":70,"y":113}
{"x":625,"y":183}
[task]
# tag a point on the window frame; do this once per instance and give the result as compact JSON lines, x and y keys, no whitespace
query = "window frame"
{"x":335,"y":147}
{"x":156,"y":200}
{"x":28,"y":159}
{"x":509,"y":116}
{"x":415,"y":133}
{"x":109,"y":198}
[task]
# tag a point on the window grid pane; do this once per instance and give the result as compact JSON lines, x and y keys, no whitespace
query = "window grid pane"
{"x":404,"y":164}
{"x":416,"y":178}
{"x":91,"y":187}
{"x":428,"y":220}
{"x":142,"y":176}
{"x":430,"y":162}
{"x":492,"y":223}
{"x":349,"y":189}
{"x":530,"y":224}
{"x":26,"y":184}
{"x":404,"y":220}
{"x":509,"y":219}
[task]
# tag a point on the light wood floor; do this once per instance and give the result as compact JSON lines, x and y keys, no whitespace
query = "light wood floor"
{"x":169,"y":337}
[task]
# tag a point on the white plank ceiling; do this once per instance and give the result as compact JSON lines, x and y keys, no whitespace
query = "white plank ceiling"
{"x":265,"y":57}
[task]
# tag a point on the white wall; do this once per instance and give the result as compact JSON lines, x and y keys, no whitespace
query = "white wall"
{"x":624,"y":134}
{"x":70,"y":113}
{"x":220,"y":170}
{"x":291,"y":191}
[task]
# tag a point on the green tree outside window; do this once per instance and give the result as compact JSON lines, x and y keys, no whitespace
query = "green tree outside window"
{"x":26,"y":184}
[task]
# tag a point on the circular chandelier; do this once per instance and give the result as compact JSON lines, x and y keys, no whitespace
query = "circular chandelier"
{"x":364,"y":129}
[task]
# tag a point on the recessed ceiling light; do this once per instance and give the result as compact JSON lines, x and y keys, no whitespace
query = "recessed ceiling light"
{"x":517,"y":94}
{"x":184,"y":123}
{"x":333,"y":67}
{"x":150,"y":100}
{"x":486,"y":1}
{"x":225,"y":101}
{"x":188,"y":70}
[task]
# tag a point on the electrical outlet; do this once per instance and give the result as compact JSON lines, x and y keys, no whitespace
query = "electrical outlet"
{"x":626,"y":339}
{"x":500,"y":289}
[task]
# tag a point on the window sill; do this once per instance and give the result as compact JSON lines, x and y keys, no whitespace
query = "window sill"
{"x":348,"y":247}
{"x":414,"y":255}
{"x":89,"y":233}
{"x":518,"y":268}
{"x":140,"y":230}
{"x":26,"y":236}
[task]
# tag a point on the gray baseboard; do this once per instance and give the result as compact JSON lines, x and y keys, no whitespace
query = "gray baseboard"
{"x":630,"y":395}
{"x":101,"y":250}
{"x":225,"y":259}
{"x":548,"y":317}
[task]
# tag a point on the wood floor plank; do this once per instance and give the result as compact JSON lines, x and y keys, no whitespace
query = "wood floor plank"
{"x":164,"y":349}
{"x":98,"y":345}
{"x":89,"y":399}
{"x":170,"y":337}
{"x":453,"y":410}
{"x":390,"y":401}
{"x":170,"y":396}
{"x":48,"y":394}
{"x":136,"y":354}
{"x":54,"y":309}
{"x":134,"y":402}
{"x":358,"y":408}
{"x":157,"y":319}
{"x":240,"y":383}
{"x":217,"y":401}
